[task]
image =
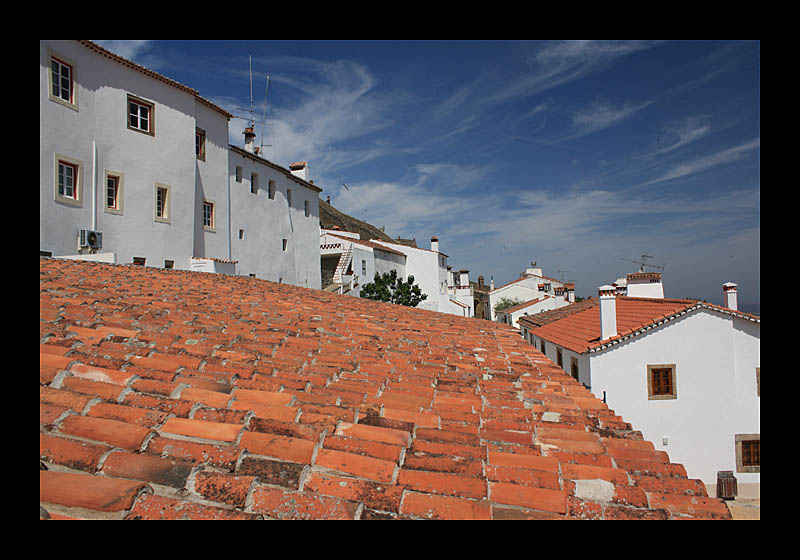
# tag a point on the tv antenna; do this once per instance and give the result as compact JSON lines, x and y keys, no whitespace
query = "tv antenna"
{"x":251,"y":122}
{"x":643,"y":263}
{"x":562,"y":274}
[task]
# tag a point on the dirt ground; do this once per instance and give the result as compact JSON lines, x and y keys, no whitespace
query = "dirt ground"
{"x":744,"y":508}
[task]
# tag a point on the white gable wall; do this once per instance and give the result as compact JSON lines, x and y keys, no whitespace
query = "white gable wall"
{"x":716,"y":358}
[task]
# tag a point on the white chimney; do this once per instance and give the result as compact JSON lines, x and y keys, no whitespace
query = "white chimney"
{"x":300,"y":169}
{"x":464,"y":281}
{"x":491,"y":283}
{"x":608,"y":312}
{"x":435,"y":244}
{"x":729,"y":298}
{"x":559,"y":293}
{"x":570,"y":292}
{"x":249,"y":139}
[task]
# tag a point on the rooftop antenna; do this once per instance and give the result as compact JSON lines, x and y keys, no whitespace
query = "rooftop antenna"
{"x":643,"y":263}
{"x":562,"y":274}
{"x":251,"y":121}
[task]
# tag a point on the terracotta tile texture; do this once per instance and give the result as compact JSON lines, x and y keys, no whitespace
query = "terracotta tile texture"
{"x":183,"y":395}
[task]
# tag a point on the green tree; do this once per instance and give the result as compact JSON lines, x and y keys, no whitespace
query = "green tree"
{"x":505,"y":303}
{"x":388,"y":287}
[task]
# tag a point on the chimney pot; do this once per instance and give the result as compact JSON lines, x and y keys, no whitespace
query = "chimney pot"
{"x":729,"y":296}
{"x":435,"y":244}
{"x":608,"y":312}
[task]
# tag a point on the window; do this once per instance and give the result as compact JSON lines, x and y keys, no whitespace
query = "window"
{"x":208,"y":216}
{"x":241,"y":234}
{"x":574,"y":366}
{"x":758,"y":381}
{"x":271,"y":191}
{"x":162,"y":204}
{"x":748,"y":453}
{"x":544,"y":348}
{"x":238,"y":174}
{"x":139,"y":261}
{"x":169,"y":264}
{"x":289,"y":196}
{"x":363,"y":267}
{"x":559,"y":358}
{"x":67,"y":174}
{"x":61,"y":81}
{"x":254,"y":183}
{"x":285,"y":242}
{"x":140,"y":115}
{"x":113,"y":192}
{"x":67,"y":180}
{"x":200,"y":144}
{"x":307,"y":208}
{"x":661,"y":382}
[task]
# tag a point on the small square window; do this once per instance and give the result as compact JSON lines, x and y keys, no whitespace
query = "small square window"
{"x":139,"y":261}
{"x":140,"y":115}
{"x":169,"y":264}
{"x":661,"y":382}
{"x":748,"y":453}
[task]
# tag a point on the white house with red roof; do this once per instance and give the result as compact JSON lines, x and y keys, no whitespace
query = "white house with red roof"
{"x":531,"y":287}
{"x":351,"y":262}
{"x":511,"y":315}
{"x":685,"y":372}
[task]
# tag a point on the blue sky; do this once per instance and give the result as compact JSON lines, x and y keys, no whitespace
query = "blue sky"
{"x":575,"y":154}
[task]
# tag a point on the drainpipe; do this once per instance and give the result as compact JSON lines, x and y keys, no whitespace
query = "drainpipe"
{"x":94,"y":186}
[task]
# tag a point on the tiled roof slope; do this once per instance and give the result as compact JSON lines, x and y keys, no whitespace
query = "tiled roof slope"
{"x":580,"y":331}
{"x":168,"y":394}
{"x":544,"y":317}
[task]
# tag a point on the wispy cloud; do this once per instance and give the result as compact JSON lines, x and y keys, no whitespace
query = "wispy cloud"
{"x":705,"y":163}
{"x":601,"y":115}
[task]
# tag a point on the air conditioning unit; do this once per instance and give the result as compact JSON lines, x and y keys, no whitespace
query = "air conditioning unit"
{"x":90,"y":238}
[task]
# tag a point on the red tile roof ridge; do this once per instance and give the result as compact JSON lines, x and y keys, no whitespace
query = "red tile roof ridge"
{"x":352,"y":409}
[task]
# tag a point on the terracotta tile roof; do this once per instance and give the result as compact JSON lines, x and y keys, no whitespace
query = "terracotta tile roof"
{"x":183,"y":395}
{"x":579,"y":330}
{"x":544,"y":317}
{"x":524,"y":304}
{"x":366,"y":243}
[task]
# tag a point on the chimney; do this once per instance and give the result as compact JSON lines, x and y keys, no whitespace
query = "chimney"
{"x":729,"y":298}
{"x":491,"y":283}
{"x":570,"y":287}
{"x":608,"y":312}
{"x":435,"y":244}
{"x":559,"y":292}
{"x":464,"y":282}
{"x":249,"y":139}
{"x":300,"y":169}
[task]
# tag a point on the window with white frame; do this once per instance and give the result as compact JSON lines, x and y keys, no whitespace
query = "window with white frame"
{"x":140,"y":115}
{"x":67,"y":176}
{"x":68,"y":179}
{"x":208,"y":215}
{"x":162,"y":203}
{"x":61,"y":81}
{"x":113,"y":192}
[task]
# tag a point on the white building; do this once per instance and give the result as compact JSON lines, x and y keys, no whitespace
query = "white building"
{"x":136,"y":168}
{"x":351,"y":262}
{"x":684,"y":372}
{"x":512,"y":315}
{"x":430,"y":272}
{"x":531,"y":286}
{"x":274,"y":219}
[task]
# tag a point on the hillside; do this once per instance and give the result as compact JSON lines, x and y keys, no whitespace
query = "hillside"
{"x":331,"y":218}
